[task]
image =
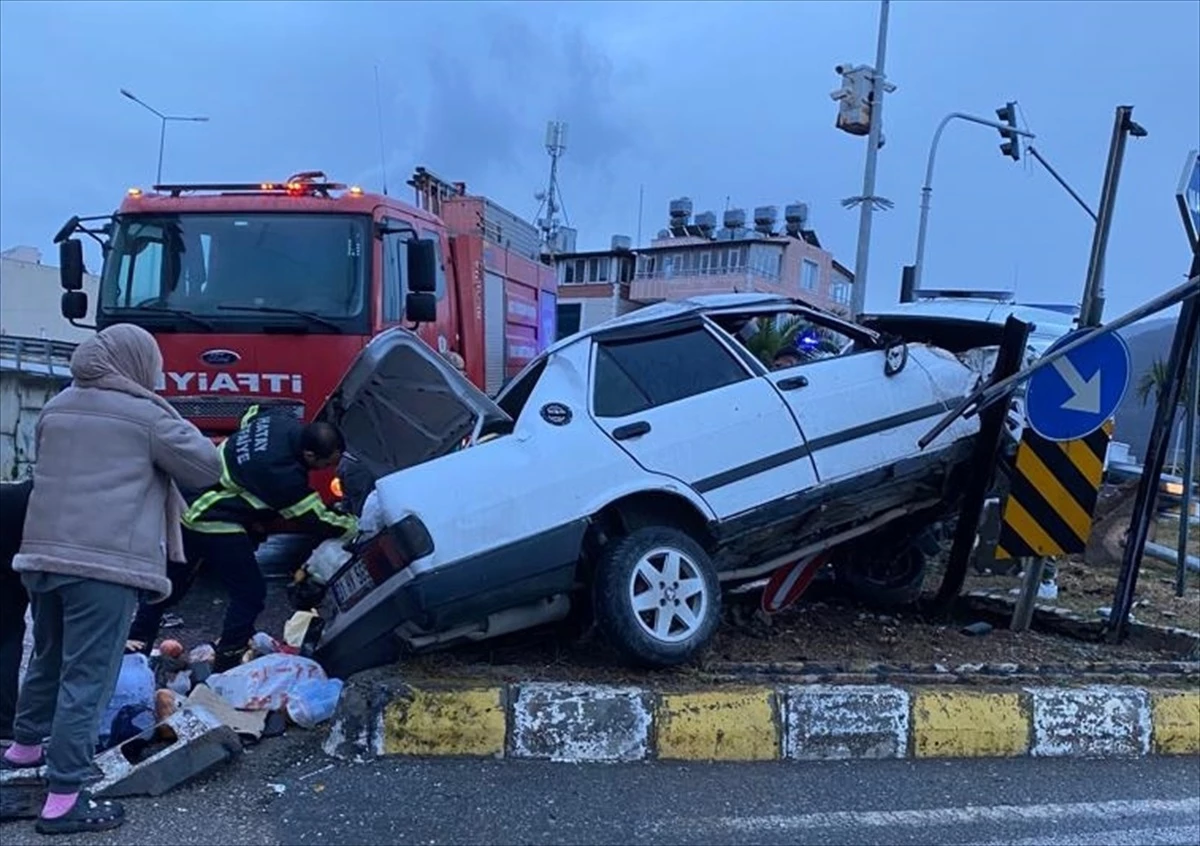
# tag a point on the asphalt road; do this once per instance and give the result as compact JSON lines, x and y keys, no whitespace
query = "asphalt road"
{"x":286,"y":792}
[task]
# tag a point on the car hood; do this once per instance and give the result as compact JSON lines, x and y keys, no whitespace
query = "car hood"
{"x":400,"y":403}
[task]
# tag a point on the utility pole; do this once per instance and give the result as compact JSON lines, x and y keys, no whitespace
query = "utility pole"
{"x":1092,"y":306}
{"x":861,"y":96}
{"x":162,"y":135}
{"x":1011,"y":147}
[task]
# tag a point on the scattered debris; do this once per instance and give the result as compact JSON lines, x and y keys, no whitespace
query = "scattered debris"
{"x":977,"y":629}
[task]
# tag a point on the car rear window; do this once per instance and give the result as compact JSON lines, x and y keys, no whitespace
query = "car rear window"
{"x":634,"y":375}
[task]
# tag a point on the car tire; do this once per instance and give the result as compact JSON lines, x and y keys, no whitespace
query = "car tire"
{"x":654,"y":620}
{"x":900,"y":586}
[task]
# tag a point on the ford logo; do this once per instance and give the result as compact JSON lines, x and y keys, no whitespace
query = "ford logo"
{"x":218,"y":357}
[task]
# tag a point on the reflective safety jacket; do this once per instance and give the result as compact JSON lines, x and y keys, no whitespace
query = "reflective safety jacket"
{"x":263,"y":476}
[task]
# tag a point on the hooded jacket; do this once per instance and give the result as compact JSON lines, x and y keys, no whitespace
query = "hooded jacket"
{"x":109,"y":455}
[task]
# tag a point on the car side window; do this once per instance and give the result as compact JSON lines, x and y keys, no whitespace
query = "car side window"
{"x":642,"y":373}
{"x":395,"y":257}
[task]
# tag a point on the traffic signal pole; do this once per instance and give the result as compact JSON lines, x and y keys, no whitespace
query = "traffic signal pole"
{"x":1092,"y":306}
{"x":927,"y":189}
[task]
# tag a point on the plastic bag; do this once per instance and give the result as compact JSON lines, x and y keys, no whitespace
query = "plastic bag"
{"x":135,"y":687}
{"x":372,"y":521}
{"x":265,"y":683}
{"x":313,"y":702}
{"x":326,"y":560}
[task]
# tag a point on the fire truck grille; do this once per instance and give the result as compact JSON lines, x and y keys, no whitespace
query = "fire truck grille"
{"x":211,"y":408}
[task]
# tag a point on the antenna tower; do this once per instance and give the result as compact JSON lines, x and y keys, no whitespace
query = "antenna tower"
{"x":551,"y":199}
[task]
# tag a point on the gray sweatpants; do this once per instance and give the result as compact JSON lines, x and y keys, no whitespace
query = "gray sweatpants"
{"x":79,"y":628}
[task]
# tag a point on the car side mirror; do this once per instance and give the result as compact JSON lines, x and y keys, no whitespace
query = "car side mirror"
{"x":420,"y":307}
{"x":70,"y":264}
{"x":74,"y":305}
{"x":422,"y":265}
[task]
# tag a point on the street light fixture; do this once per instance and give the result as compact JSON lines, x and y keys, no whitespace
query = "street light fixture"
{"x":162,"y":135}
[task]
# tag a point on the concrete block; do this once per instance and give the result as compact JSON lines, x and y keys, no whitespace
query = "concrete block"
{"x":970,"y":724}
{"x":8,"y":458}
{"x":35,"y":393}
{"x":22,"y":794}
{"x":10,"y":405}
{"x":722,"y":725}
{"x":26,"y":438}
{"x":1090,"y":721}
{"x":356,"y":732}
{"x":569,"y":722}
{"x":1176,"y":720}
{"x":834,"y":722}
{"x":200,"y":741}
{"x":446,"y":722}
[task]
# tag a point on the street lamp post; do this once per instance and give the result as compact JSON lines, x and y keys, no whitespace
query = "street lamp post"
{"x":927,"y":188}
{"x":162,"y":135}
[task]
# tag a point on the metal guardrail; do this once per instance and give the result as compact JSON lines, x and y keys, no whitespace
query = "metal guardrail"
{"x":40,"y":356}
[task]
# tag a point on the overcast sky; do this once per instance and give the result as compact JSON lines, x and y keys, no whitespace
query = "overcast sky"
{"x":710,"y":100}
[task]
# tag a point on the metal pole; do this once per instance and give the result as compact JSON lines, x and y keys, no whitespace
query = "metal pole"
{"x":1022,"y":616}
{"x":1189,"y":469}
{"x":162,"y":142}
{"x":1156,"y":453}
{"x":1092,"y":305}
{"x":858,"y":296}
{"x":1050,"y":169}
{"x":927,"y":188}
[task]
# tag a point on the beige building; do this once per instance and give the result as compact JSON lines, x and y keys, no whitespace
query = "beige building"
{"x":30,"y":297}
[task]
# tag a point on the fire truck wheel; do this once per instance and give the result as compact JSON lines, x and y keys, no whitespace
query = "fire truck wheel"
{"x":657,"y":596}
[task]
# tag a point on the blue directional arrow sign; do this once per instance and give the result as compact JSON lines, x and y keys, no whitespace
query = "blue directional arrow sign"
{"x":1072,"y":397}
{"x":1188,"y":196}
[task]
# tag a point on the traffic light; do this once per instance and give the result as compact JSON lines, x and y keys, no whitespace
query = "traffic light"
{"x":1012,"y":142}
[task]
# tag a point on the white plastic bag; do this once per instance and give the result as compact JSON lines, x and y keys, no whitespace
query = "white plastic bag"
{"x":265,"y":683}
{"x":372,"y":521}
{"x":325,"y":560}
{"x":135,"y":686}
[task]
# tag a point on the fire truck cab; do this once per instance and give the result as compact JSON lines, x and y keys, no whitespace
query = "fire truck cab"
{"x":264,"y":293}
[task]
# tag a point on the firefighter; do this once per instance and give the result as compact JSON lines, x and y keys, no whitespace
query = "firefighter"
{"x":264,"y":479}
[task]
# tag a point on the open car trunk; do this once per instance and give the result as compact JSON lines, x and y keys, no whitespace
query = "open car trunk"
{"x":401,"y":404}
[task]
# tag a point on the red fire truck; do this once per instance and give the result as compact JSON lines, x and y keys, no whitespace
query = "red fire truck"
{"x":264,"y":293}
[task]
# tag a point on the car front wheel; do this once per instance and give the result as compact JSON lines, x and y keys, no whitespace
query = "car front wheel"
{"x":657,"y":596}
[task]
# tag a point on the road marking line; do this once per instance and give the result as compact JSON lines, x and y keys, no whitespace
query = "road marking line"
{"x":960,"y":816}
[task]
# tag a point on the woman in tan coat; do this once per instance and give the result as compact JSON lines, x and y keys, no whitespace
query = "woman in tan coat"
{"x":103,"y":517}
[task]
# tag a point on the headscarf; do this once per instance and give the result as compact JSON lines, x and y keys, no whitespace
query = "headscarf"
{"x":126,"y":358}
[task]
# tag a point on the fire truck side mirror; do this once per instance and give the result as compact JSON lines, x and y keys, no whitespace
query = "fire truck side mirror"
{"x":70,"y":263}
{"x":422,"y":265}
{"x":420,"y":308}
{"x":74,"y":305}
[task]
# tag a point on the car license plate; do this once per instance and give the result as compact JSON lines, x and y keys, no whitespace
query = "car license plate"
{"x":353,"y":585}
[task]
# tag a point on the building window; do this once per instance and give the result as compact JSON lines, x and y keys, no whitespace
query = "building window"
{"x":809,"y":273}
{"x":840,"y":293}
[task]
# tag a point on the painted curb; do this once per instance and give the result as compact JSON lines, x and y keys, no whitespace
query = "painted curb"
{"x":598,"y":723}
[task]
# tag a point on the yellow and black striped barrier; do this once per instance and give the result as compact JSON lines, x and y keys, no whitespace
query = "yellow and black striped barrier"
{"x":1052,"y":495}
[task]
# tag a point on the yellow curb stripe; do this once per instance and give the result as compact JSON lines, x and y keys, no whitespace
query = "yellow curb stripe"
{"x":970,"y":724}
{"x":446,"y":722}
{"x":739,"y":725}
{"x":1175,"y":721}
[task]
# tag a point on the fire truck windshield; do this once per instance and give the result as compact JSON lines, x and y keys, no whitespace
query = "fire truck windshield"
{"x":239,"y":271}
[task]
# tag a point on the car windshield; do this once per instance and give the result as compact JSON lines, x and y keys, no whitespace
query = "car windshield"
{"x":260,"y":267}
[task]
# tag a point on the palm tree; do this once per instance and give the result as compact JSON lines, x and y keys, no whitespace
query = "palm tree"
{"x":772,"y":336}
{"x":775,"y":334}
{"x":1154,"y":379}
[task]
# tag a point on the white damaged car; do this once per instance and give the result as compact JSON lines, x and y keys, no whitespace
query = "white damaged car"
{"x":632,"y":471}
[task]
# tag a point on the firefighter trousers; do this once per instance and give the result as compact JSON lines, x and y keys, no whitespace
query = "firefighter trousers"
{"x":228,"y":557}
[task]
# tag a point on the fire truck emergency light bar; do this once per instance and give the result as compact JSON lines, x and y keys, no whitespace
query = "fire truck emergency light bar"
{"x":301,"y":184}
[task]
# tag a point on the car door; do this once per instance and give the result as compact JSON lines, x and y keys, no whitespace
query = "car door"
{"x":683,"y":405}
{"x":854,"y":416}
